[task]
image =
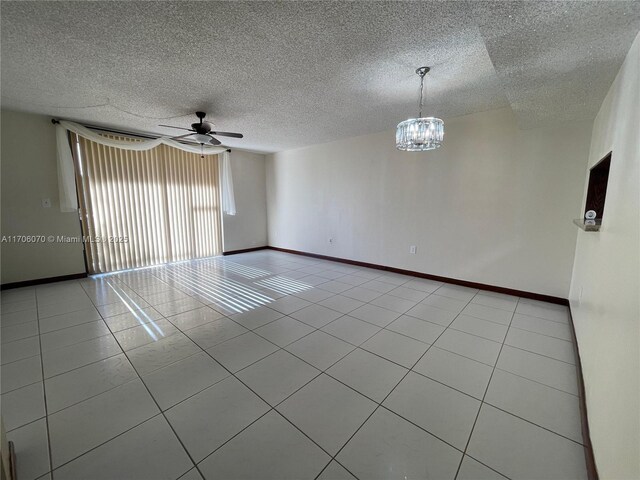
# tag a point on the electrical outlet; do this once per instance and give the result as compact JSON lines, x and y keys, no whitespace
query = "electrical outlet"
{"x":413,"y":249}
{"x":46,"y":203}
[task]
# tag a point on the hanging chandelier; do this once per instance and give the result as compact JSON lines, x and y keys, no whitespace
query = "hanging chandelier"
{"x":422,"y":133}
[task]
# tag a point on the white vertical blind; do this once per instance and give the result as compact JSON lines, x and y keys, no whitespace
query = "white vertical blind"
{"x":144,"y":208}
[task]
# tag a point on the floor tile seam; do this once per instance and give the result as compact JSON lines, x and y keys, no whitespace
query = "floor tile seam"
{"x":315,"y":329}
{"x":502,"y":409}
{"x":536,"y":381}
{"x":82,"y":366}
{"x":446,"y":385}
{"x":16,"y":323}
{"x":161,"y":412}
{"x":23,"y":386}
{"x":105,"y":442}
{"x":487,"y":466}
{"x":520,"y":329}
{"x":77,"y":325}
{"x":338,"y":462}
{"x":346,"y":341}
{"x":542,"y":334}
{"x":381,"y":356}
{"x":489,"y":306}
{"x":475,"y":335}
{"x":66,"y":313}
{"x":75,"y":344}
{"x":18,"y":339}
{"x":445,"y":326}
{"x":43,"y":417}
{"x":224,"y":317}
{"x":484,"y":319}
{"x":424,"y":429}
{"x":408,"y":299}
{"x":560,"y":322}
{"x":6,"y":302}
{"x":44,"y":390}
{"x":461,"y":355}
{"x":269,"y":410}
{"x":539,"y":354}
{"x":71,"y":326}
{"x":405,"y":335}
{"x":482,"y":401}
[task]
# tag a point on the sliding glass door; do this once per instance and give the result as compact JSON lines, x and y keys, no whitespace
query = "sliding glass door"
{"x":145,"y":208}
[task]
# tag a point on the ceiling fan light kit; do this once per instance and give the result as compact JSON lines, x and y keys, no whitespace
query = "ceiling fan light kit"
{"x":422,"y":133}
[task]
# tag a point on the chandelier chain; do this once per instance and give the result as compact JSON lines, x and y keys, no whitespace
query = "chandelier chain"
{"x":421,"y":96}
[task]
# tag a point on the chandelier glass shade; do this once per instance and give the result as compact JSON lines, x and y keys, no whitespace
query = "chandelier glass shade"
{"x":422,"y":133}
{"x":419,"y":134}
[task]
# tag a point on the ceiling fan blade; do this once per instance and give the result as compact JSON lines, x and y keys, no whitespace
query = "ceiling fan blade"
{"x":179,"y":128}
{"x":228,"y":134}
{"x":181,"y":136}
{"x":214,"y":141}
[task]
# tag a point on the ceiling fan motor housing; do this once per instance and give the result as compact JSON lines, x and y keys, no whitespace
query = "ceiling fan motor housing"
{"x":203,"y":128}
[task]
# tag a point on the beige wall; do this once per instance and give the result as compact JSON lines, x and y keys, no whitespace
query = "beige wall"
{"x":493,"y":205}
{"x":28,"y":167}
{"x":248,"y":228}
{"x":605,"y":289}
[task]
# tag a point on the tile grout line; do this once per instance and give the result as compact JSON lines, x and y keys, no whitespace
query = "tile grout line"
{"x":485,"y":395}
{"x":44,"y":390}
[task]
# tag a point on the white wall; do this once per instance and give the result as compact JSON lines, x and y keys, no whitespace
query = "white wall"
{"x":494,"y":205}
{"x":248,"y":228}
{"x":607,"y":271}
{"x":28,"y":175}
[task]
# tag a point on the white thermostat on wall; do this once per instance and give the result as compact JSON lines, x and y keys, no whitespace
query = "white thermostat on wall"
{"x":590,"y":215}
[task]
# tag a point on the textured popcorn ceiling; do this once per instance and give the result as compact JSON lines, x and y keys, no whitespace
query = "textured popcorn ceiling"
{"x":289,"y":74}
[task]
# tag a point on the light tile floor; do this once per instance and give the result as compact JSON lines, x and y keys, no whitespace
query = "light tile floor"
{"x":267,"y":365}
